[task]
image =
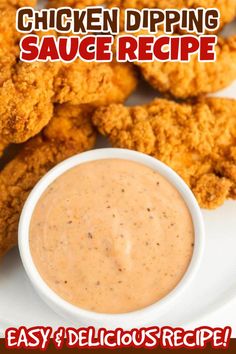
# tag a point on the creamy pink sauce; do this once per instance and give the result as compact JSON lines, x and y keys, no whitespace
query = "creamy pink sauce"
{"x":111,"y":236}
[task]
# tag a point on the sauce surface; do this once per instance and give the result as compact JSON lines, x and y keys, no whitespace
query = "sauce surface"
{"x":111,"y":236}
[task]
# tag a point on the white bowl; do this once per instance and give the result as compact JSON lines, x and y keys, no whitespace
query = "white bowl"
{"x":81,"y":317}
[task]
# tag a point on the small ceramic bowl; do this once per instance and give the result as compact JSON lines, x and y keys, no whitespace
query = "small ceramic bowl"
{"x":78,"y":316}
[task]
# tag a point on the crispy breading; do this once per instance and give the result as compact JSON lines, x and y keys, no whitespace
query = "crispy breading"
{"x":94,"y":83}
{"x":18,"y":3}
{"x":198,"y":140}
{"x":26,"y":100}
{"x":227,"y":8}
{"x":79,"y":4}
{"x":8,"y":33}
{"x":69,"y":132}
{"x":26,"y":89}
{"x":9,"y":40}
{"x":8,"y":58}
{"x":194,"y":78}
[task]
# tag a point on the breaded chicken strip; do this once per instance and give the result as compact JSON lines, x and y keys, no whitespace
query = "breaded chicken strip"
{"x":8,"y":58}
{"x":8,"y":33}
{"x":79,"y":4}
{"x":227,"y":8}
{"x":194,"y":78}
{"x":94,"y":83}
{"x":197,"y":140}
{"x":26,"y":100}
{"x":26,"y":90}
{"x":69,"y":132}
{"x":9,"y":42}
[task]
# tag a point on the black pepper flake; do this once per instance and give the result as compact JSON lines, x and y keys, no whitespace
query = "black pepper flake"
{"x":158,"y":244}
{"x":120,"y":270}
{"x":65,"y":281}
{"x":69,"y":222}
{"x":108,"y":207}
{"x":148,"y":209}
{"x":192,"y":245}
{"x":90,"y":235}
{"x":113,"y":215}
{"x":158,"y":183}
{"x":122,"y":190}
{"x":98,"y":283}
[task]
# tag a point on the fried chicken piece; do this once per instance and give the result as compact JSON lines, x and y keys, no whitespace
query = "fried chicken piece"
{"x":69,"y":132}
{"x":211,"y":188}
{"x":9,"y":42}
{"x":94,"y":83}
{"x":26,"y":89}
{"x":8,"y":58}
{"x":26,"y":100}
{"x":227,"y":8}
{"x":197,"y":140}
{"x":79,"y":4}
{"x":194,"y":78}
{"x":8,"y":33}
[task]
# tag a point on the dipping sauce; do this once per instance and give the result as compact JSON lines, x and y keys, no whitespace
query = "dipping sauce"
{"x":111,"y":236}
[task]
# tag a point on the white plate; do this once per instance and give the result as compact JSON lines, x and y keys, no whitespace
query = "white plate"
{"x":215,"y":284}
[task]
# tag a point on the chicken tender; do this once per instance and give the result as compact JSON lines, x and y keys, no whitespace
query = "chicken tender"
{"x":197,"y":140}
{"x":227,"y":8}
{"x":194,"y":78}
{"x":3,"y":144}
{"x":26,"y":100}
{"x":94,"y":83}
{"x":25,"y":89}
{"x":8,"y":33}
{"x":79,"y":4}
{"x":9,"y":42}
{"x":69,"y":132}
